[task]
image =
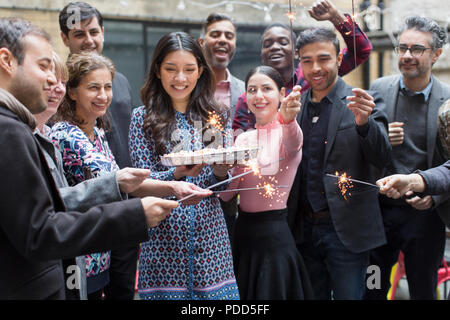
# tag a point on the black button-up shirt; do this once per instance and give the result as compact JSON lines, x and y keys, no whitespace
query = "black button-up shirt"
{"x":314,"y":124}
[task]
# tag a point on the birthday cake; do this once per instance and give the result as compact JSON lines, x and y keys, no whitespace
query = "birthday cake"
{"x":230,"y":155}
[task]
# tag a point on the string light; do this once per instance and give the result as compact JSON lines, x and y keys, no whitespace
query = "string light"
{"x":370,"y":15}
{"x":181,"y":6}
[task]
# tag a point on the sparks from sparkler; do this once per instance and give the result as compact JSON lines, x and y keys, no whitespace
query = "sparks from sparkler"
{"x":345,"y":183}
{"x":230,"y":179}
{"x":268,"y":187}
{"x":214,"y":121}
{"x":253,"y":165}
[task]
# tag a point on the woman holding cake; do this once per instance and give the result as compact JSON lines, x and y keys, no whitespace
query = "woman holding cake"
{"x":188,"y":255}
{"x":266,"y":261}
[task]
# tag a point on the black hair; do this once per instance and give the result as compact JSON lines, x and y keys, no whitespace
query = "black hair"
{"x":159,"y":121}
{"x":314,"y":35}
{"x":67,"y":16}
{"x":272,"y":73}
{"x":12,"y":32}
{"x":214,"y":17}
{"x":279,"y":25}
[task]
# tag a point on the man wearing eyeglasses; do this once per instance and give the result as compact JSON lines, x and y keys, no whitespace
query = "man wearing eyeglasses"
{"x":415,"y":225}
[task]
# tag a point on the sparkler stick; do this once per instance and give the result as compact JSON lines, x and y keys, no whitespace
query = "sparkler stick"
{"x":353,"y":180}
{"x":354,"y":30}
{"x":291,"y":16}
{"x":254,"y":188}
{"x":229,"y":180}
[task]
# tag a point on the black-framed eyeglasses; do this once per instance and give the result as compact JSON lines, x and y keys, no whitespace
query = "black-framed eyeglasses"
{"x":416,"y":51}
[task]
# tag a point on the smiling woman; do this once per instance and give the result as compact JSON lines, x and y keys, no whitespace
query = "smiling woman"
{"x":80,"y":136}
{"x":188,"y":255}
{"x":266,"y":261}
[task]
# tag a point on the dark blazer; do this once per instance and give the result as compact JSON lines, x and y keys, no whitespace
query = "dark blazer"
{"x":119,"y":116}
{"x":389,"y":88}
{"x":34,"y":232}
{"x":357,"y":221}
{"x":437,"y":180}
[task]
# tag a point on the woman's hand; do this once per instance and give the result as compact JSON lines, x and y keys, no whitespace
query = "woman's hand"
{"x":221,"y":170}
{"x":291,"y":106}
{"x":129,"y":179}
{"x":188,"y":171}
{"x":181,"y":189}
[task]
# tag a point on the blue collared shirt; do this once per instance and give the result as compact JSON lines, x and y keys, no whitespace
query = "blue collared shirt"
{"x":426,"y":92}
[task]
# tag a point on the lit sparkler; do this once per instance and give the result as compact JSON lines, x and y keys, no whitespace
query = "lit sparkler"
{"x":269,"y":189}
{"x":253,"y":165}
{"x":231,"y":179}
{"x":215,"y":121}
{"x":345,"y":183}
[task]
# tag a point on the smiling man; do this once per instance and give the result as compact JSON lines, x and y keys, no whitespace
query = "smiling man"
{"x":334,"y":234}
{"x":413,"y":99}
{"x":218,"y":41}
{"x":36,"y":232}
{"x":276,"y":52}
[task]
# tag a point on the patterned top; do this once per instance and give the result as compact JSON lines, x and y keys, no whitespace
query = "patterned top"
{"x":188,"y":255}
{"x":84,"y":159}
{"x":245,"y":120}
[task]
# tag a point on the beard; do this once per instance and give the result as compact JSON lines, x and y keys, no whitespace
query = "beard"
{"x":28,"y":93}
{"x":418,"y":71}
{"x":222,"y":64}
{"x":330,"y":79}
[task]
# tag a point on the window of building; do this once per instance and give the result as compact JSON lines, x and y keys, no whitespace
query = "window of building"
{"x":130,"y":45}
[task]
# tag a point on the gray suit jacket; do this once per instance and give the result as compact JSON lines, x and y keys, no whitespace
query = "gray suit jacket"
{"x":389,"y":88}
{"x":437,"y":180}
{"x":80,"y":197}
{"x":36,"y":231}
{"x":237,"y":87}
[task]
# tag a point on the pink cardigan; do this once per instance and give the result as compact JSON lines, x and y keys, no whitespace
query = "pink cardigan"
{"x":277,"y":141}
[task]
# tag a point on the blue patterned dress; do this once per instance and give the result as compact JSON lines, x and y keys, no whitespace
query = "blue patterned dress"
{"x":188,"y":255}
{"x":84,"y":159}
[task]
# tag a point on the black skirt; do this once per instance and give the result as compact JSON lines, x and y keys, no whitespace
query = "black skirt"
{"x":267,"y":263}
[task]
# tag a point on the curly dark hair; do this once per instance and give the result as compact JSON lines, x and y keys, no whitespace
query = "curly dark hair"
{"x":159,"y":122}
{"x":80,"y":65}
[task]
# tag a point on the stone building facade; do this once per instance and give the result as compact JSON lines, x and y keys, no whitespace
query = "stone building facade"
{"x":132,"y":28}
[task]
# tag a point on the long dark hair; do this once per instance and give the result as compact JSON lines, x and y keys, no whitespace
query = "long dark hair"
{"x":159,"y":122}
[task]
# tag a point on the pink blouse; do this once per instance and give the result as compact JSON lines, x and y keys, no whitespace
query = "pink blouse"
{"x":279,"y":156}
